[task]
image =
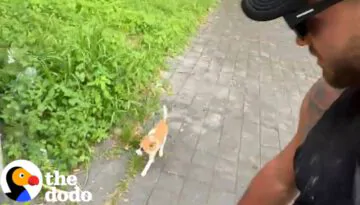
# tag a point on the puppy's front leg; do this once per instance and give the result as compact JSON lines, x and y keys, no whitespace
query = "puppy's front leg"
{"x":148,"y":164}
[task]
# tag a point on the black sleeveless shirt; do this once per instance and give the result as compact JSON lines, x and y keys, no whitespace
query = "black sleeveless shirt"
{"x":326,"y":164}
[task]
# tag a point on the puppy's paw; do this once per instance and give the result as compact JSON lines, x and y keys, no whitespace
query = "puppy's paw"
{"x":139,"y":152}
{"x":161,"y":154}
{"x":143,"y":173}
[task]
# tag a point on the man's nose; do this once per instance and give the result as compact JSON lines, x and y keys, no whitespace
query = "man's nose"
{"x":305,"y":41}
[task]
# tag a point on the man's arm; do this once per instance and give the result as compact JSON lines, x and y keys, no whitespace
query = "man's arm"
{"x":274,"y":184}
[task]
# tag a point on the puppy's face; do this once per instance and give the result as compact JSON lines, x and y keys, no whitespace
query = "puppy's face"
{"x":147,"y":145}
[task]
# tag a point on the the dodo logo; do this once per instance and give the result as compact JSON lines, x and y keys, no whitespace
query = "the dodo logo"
{"x":21,"y":180}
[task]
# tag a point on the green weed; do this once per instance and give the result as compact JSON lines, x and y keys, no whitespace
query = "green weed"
{"x":134,"y":165}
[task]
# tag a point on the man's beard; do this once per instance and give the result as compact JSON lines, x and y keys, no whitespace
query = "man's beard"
{"x":344,"y":71}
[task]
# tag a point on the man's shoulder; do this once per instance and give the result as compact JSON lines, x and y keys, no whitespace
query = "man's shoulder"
{"x":316,"y":101}
{"x":322,"y":95}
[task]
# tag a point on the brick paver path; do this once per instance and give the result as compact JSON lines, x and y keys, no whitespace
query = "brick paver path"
{"x":238,"y":90}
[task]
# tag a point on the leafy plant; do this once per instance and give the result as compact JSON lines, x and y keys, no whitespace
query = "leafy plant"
{"x":71,"y":70}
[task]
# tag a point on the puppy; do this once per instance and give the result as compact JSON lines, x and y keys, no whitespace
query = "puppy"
{"x":154,"y":141}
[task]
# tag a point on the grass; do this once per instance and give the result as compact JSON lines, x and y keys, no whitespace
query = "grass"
{"x":85,"y":70}
{"x":134,"y":165}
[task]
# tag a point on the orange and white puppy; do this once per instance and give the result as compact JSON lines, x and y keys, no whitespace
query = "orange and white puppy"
{"x":154,"y":141}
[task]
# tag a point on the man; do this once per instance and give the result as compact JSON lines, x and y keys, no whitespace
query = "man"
{"x":320,"y":162}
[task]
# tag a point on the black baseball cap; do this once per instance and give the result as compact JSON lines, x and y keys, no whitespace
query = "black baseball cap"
{"x":295,"y":12}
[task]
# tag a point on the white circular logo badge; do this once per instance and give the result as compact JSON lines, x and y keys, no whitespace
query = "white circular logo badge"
{"x":21,"y":180}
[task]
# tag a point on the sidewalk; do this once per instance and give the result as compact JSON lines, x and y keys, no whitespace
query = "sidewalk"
{"x":238,"y":91}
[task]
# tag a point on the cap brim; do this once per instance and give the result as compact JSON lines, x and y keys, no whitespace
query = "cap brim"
{"x":266,"y":10}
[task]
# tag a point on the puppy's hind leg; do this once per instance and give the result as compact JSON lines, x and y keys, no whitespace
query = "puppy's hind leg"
{"x":161,"y":151}
{"x":148,"y":164}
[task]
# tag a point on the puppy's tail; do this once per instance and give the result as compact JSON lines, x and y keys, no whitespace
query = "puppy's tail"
{"x":165,"y":110}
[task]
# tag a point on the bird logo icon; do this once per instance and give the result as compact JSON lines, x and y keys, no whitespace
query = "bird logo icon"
{"x":21,"y":181}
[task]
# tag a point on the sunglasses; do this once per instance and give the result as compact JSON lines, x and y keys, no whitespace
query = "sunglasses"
{"x":297,"y":21}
